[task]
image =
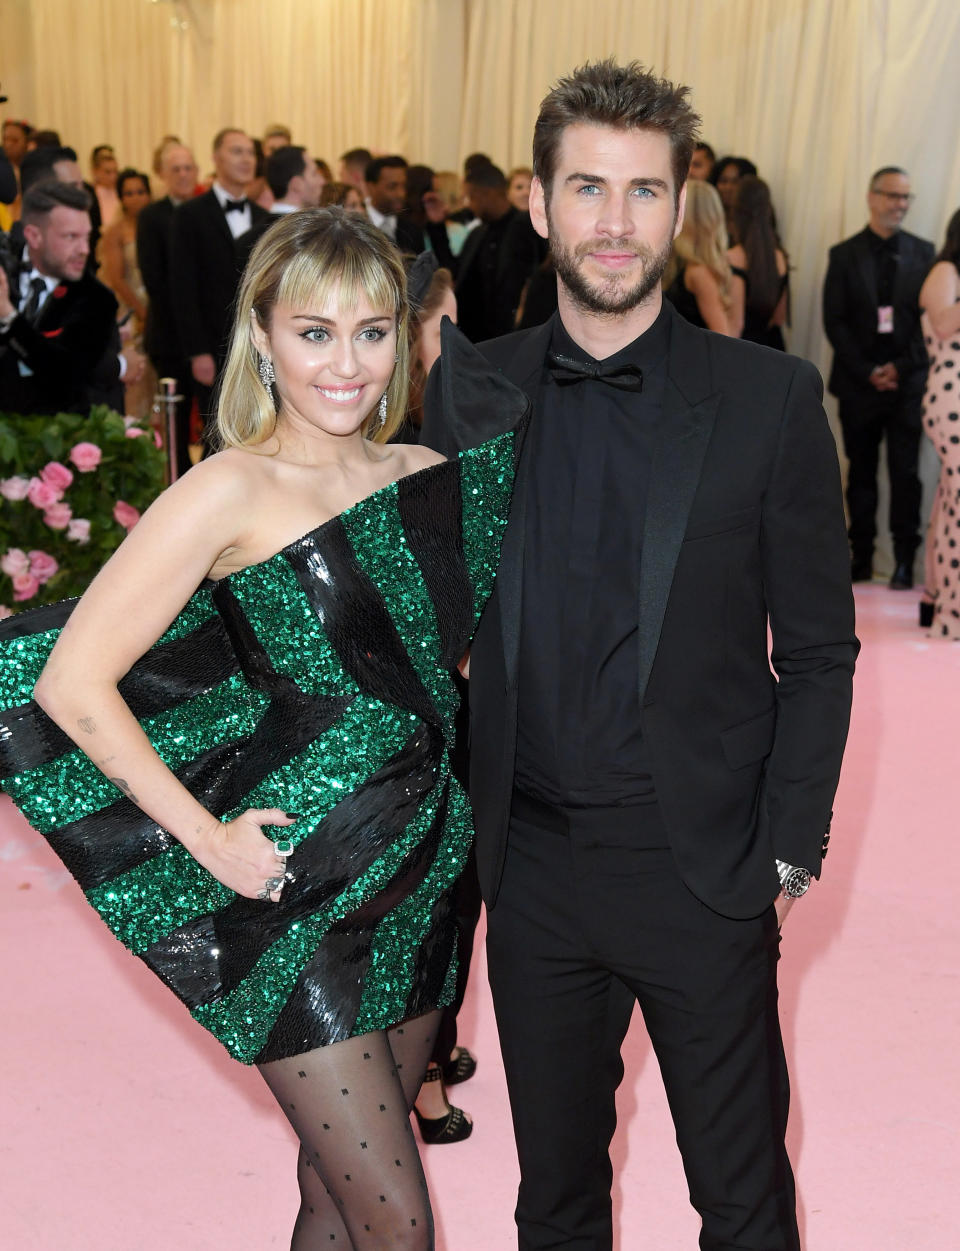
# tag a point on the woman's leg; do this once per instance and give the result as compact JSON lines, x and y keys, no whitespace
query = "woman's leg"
{"x":361,"y":1182}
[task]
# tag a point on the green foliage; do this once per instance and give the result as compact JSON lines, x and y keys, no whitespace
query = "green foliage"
{"x":131,"y":469}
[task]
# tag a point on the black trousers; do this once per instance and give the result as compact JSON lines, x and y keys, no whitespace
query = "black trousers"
{"x":592,"y":917}
{"x":865,"y":421}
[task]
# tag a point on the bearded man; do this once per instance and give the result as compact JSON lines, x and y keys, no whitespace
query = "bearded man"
{"x":650,"y":796}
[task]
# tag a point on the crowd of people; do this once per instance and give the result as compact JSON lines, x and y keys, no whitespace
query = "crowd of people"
{"x":649,"y":802}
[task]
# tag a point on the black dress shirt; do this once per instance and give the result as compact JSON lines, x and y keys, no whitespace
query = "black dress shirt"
{"x":886,"y":256}
{"x":579,"y":738}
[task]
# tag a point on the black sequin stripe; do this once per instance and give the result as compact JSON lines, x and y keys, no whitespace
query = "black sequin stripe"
{"x":356,"y":620}
{"x":115,"y":840}
{"x":433,"y":956}
{"x":254,"y":661}
{"x":167,"y":675}
{"x":431,"y":512}
{"x":337,"y":852}
{"x":37,"y":620}
{"x":326,"y":999}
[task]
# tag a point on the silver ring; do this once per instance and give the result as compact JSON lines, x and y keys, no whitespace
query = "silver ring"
{"x":274,"y":883}
{"x":282,"y":848}
{"x":263,"y":894}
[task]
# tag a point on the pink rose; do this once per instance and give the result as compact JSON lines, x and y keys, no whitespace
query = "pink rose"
{"x":86,"y":456}
{"x":5,"y":612}
{"x":41,"y":494}
{"x":14,"y":488}
{"x":126,"y":514}
{"x":42,"y":566}
{"x":25,"y":586}
{"x":56,"y":475}
{"x":79,"y":530}
{"x":134,"y":432}
{"x":57,"y":516}
{"x":15,"y":562}
{"x":157,"y":441}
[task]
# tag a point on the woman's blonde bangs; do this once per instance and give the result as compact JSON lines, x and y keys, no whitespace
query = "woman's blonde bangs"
{"x":305,"y":261}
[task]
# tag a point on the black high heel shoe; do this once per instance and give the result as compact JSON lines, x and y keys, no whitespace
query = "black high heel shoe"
{"x":454,"y":1127}
{"x":926,"y":614}
{"x":460,"y":1069}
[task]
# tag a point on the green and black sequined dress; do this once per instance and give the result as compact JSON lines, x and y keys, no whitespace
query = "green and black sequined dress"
{"x":318,"y":682}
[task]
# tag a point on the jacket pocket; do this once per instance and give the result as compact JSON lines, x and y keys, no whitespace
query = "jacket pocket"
{"x":750,"y":740}
{"x":721,"y":523}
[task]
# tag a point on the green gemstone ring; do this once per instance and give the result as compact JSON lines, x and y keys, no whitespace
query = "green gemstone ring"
{"x":282,"y":848}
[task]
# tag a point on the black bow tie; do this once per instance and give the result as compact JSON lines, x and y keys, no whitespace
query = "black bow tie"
{"x":565,"y":369}
{"x":238,"y":205}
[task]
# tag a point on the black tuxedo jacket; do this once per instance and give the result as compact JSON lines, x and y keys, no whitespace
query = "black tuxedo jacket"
{"x":153,"y":254}
{"x":521,"y":251}
{"x":71,"y":351}
{"x":205,"y":271}
{"x":850,"y":314}
{"x":743,"y":527}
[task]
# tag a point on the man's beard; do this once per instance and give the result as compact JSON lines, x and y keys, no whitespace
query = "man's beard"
{"x":608,"y":297}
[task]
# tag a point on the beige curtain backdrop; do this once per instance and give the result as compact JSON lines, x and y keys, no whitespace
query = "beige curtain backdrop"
{"x":817,"y":92}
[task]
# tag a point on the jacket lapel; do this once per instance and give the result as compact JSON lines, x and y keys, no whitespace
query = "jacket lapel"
{"x":525,"y":370}
{"x":867,"y":266}
{"x":689,"y":411}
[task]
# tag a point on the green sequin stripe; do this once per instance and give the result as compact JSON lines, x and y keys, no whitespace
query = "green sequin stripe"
{"x":486,"y":484}
{"x":198,"y":608}
{"x":23,"y":659}
{"x":71,"y":787}
{"x":381,"y":548}
{"x":172,"y":889}
{"x":243,"y":1019}
{"x":281,"y":616}
{"x":403,"y":931}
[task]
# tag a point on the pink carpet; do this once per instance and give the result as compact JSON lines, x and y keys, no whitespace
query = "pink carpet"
{"x":126,"y":1128}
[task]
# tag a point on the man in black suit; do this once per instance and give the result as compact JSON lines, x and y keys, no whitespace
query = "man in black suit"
{"x":204,"y":264}
{"x":58,"y":331}
{"x":649,"y":798}
{"x":296,"y":183}
{"x":498,"y":257}
{"x":176,"y":166}
{"x":872,"y":318}
{"x":385,"y":184}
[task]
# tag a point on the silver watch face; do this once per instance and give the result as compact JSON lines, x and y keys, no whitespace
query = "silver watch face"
{"x":796,"y":883}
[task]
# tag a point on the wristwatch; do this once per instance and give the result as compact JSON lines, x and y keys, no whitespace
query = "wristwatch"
{"x":794,"y":881}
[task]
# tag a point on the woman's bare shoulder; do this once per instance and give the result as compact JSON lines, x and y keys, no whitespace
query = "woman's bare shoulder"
{"x":413,"y":457}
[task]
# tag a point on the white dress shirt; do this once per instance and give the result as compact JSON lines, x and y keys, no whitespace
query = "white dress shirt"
{"x":238,"y":220}
{"x":387,"y":224}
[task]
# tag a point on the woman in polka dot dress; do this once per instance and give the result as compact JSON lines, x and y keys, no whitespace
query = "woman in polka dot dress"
{"x":940,"y":303}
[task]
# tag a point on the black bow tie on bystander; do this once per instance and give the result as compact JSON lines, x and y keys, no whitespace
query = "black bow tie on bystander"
{"x":238,"y":205}
{"x":566,"y":369}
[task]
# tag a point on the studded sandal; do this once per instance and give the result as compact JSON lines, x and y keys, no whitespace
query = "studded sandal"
{"x":454,"y":1127}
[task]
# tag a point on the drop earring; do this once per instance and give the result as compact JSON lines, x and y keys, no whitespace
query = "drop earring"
{"x":382,"y":411}
{"x":267,"y":375}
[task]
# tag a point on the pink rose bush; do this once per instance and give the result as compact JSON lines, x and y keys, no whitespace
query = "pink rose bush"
{"x":41,"y":494}
{"x":86,"y":456}
{"x":42,"y":566}
{"x":71,"y":487}
{"x":56,"y":475}
{"x":57,"y":516}
{"x":14,"y":488}
{"x":78,"y":531}
{"x":126,"y":514}
{"x":25,"y":586}
{"x":15,"y":562}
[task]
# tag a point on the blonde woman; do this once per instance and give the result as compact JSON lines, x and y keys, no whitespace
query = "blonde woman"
{"x":703,"y":288}
{"x":259,"y":683}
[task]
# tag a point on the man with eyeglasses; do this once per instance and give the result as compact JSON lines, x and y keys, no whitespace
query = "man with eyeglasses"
{"x":872,"y":319}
